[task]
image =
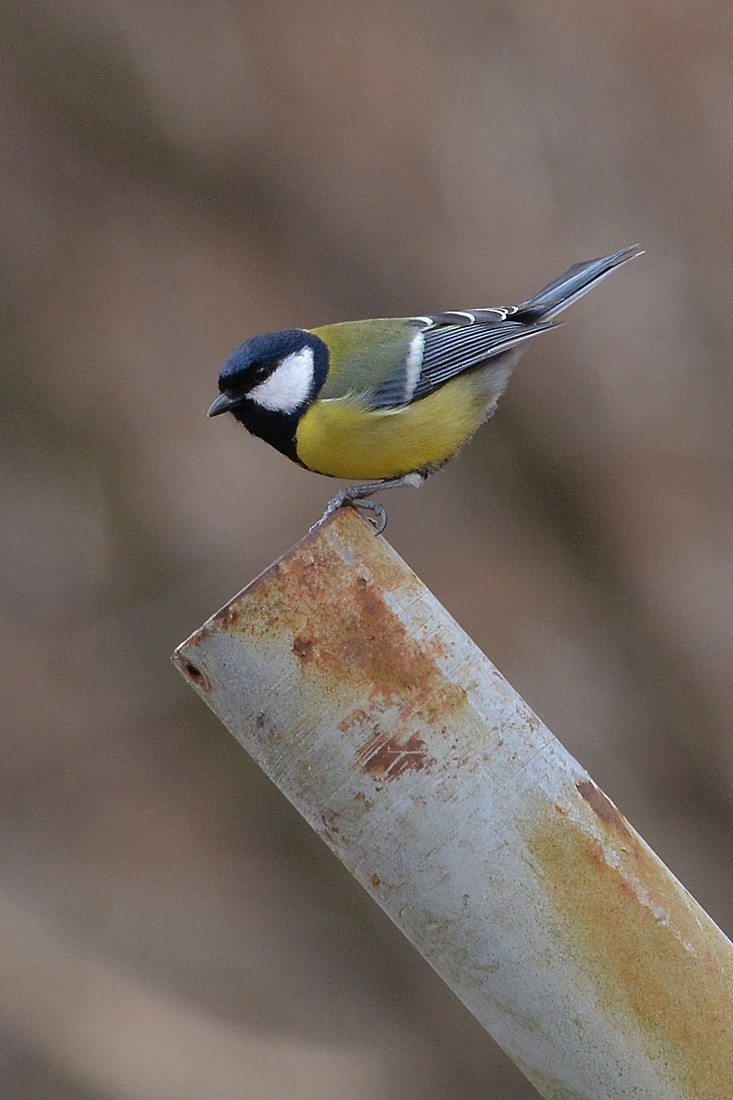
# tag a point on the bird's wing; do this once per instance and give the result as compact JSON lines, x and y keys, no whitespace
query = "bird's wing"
{"x":450,"y":343}
{"x":402,"y":360}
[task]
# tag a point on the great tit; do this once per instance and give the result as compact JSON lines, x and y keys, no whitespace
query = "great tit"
{"x":385,"y":402}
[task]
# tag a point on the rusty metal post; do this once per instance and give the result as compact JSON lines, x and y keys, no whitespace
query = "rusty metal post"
{"x":465,"y":819}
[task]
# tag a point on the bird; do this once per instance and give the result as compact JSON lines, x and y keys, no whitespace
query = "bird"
{"x":387,"y":401}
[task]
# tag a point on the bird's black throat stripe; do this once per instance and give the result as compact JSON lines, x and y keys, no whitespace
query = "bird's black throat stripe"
{"x":276,"y":428}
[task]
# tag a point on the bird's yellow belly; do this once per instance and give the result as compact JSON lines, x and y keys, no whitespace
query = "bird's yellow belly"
{"x":341,"y":439}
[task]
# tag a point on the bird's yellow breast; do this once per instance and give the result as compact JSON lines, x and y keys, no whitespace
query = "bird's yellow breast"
{"x":342,"y":438}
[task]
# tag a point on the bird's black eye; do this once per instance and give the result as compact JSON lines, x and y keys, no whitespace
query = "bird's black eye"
{"x":260,"y":372}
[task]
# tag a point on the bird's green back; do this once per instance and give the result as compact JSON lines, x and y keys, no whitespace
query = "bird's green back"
{"x":365,"y":354}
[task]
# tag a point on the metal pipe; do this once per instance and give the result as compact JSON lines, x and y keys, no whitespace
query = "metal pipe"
{"x":465,"y":819}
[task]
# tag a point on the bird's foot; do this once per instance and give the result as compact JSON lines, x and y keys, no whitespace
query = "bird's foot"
{"x":357,"y":497}
{"x":377,"y":517}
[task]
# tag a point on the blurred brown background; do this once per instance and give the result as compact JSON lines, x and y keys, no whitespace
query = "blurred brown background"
{"x":179,"y":176}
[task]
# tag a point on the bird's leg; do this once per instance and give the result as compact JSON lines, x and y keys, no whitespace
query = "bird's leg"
{"x":356,"y":496}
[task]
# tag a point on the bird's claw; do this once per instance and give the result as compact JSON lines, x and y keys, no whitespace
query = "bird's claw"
{"x":378,"y":517}
{"x":356,"y":496}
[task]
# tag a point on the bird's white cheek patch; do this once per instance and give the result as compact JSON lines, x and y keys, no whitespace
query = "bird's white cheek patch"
{"x":289,"y":386}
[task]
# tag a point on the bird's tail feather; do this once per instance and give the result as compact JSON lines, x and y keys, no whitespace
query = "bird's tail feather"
{"x":570,"y":286}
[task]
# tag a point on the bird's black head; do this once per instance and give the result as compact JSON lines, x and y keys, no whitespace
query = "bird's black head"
{"x":269,"y":382}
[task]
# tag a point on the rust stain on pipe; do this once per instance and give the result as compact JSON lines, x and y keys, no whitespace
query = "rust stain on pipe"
{"x":365,"y":646}
{"x":385,"y":756}
{"x":643,"y":941}
{"x":604,"y":808}
{"x":365,"y":639}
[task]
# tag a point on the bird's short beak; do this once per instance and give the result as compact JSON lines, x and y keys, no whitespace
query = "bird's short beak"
{"x":222,"y":404}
